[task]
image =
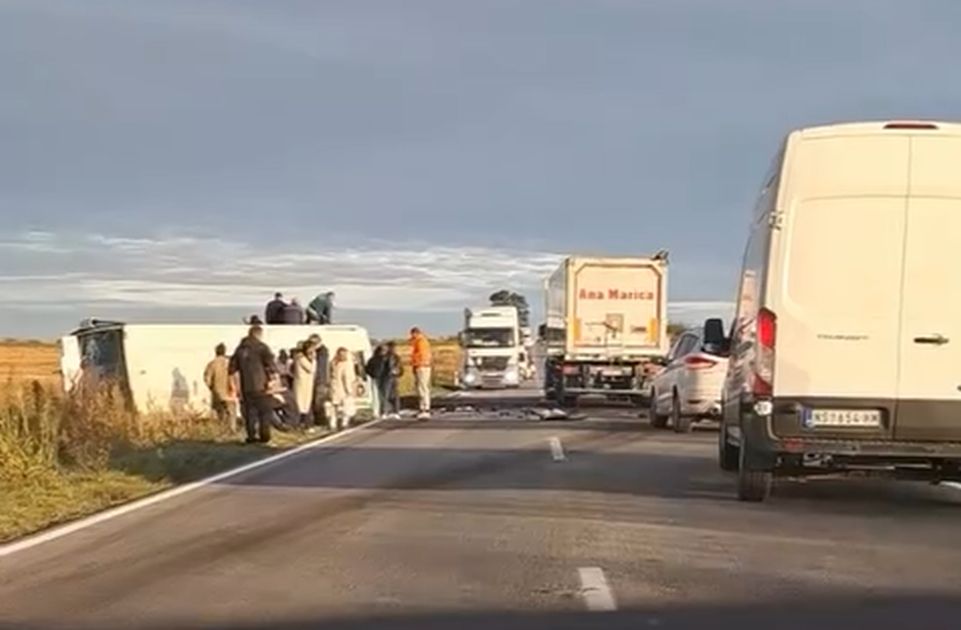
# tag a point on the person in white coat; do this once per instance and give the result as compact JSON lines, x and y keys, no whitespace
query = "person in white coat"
{"x":303,"y":368}
{"x":343,"y":384}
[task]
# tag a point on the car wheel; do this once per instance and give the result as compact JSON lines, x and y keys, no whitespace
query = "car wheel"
{"x":657,"y":421}
{"x":727,"y":453}
{"x":752,"y":485}
{"x":680,"y":422}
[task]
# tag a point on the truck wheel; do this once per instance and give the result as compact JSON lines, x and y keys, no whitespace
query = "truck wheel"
{"x":657,"y":421}
{"x":752,"y":485}
{"x":680,"y":422}
{"x":727,"y":453}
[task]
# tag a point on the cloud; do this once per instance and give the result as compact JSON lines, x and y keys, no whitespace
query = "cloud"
{"x":205,"y":272}
{"x":50,"y":281}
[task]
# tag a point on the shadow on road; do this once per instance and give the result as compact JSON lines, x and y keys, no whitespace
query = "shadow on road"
{"x":836,"y":613}
{"x":593,"y":465}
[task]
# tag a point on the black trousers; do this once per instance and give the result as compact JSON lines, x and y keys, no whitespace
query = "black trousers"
{"x":258,"y":416}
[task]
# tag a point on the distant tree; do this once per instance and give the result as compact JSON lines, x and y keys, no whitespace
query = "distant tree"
{"x":510,"y":298}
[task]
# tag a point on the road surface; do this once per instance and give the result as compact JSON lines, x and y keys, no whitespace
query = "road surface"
{"x":483,"y":519}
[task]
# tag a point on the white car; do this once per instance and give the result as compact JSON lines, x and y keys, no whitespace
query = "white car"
{"x":689,"y":387}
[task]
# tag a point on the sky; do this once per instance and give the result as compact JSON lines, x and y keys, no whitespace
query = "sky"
{"x":179,"y":160}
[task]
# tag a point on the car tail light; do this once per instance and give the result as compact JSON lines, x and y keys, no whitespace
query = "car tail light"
{"x":698,"y":362}
{"x":764,"y":357}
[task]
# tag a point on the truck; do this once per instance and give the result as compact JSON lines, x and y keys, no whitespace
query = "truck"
{"x":606,"y":327}
{"x":493,"y":352}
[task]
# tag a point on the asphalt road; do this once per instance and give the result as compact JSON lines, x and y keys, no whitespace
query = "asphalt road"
{"x":481,"y":519}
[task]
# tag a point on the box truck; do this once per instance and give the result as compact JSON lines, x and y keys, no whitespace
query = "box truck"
{"x":606,"y":326}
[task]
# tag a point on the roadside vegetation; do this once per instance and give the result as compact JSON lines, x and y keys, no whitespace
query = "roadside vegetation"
{"x":62,"y":457}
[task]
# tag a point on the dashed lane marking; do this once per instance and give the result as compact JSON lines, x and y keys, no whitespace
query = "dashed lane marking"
{"x":557,"y":450}
{"x":595,"y":590}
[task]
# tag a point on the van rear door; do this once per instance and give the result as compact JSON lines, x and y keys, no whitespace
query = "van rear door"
{"x":929,"y":388}
{"x":836,"y":292}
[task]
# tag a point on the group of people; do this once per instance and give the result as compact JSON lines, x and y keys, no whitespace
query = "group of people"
{"x":319,"y":311}
{"x":304,"y":388}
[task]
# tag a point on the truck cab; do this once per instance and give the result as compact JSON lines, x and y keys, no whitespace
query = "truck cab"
{"x":492,"y":348}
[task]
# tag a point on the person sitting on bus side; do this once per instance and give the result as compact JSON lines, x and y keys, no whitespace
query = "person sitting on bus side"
{"x":274,"y":311}
{"x":293,"y":313}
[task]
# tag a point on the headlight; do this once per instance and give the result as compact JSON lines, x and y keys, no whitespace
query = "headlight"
{"x":511,"y":375}
{"x":470,"y":377}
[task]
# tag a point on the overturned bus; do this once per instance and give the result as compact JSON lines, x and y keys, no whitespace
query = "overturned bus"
{"x":160,"y":367}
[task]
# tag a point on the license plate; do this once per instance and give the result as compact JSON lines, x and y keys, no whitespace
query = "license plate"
{"x":842,"y":418}
{"x":614,"y":372}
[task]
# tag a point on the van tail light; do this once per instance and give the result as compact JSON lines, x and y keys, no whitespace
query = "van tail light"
{"x":764,"y":357}
{"x":911,"y":125}
{"x":698,"y":362}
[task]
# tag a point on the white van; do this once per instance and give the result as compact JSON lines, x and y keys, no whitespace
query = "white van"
{"x":162,"y":365}
{"x":846,"y":346}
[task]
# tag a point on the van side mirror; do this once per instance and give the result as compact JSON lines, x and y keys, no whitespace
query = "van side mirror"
{"x":715,"y":339}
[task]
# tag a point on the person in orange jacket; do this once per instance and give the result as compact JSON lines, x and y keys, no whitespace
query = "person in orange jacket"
{"x":420,"y":361}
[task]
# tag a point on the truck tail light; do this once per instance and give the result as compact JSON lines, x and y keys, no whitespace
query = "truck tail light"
{"x":698,"y":362}
{"x":764,"y":353}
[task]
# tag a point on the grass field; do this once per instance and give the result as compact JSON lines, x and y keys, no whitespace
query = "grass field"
{"x":28,"y":361}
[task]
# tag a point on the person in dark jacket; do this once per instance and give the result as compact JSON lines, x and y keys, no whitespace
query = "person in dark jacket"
{"x":321,"y":309}
{"x":274,"y":312}
{"x":321,"y":379}
{"x":293,"y":313}
{"x":373,"y":369}
{"x":255,"y":364}
{"x":391,"y":369}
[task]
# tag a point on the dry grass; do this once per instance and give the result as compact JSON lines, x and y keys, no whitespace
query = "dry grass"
{"x":63,"y":457}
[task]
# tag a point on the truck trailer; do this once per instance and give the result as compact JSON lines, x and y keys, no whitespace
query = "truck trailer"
{"x":606,"y":327}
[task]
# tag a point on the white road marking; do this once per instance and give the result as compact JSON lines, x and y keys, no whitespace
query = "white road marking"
{"x":595,"y":590}
{"x":557,"y":451}
{"x":952,"y":484}
{"x":127,"y":508}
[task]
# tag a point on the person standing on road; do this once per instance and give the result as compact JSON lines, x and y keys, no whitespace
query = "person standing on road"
{"x":390,"y":372}
{"x":304,"y":365}
{"x":255,"y":364}
{"x":274,"y":312}
{"x":373,"y":368}
{"x":221,"y":386}
{"x":343,"y":384}
{"x":321,"y":379}
{"x":420,"y":361}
